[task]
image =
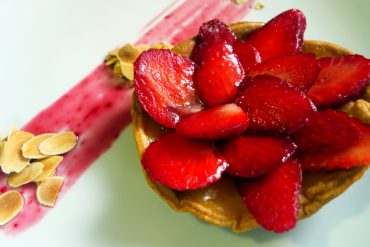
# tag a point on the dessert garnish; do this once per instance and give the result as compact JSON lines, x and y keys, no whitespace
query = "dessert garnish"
{"x":250,"y":118}
{"x":97,"y":109}
{"x":25,"y":159}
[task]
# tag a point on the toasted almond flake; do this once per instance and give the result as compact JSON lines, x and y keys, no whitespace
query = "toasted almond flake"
{"x":259,"y":5}
{"x":127,"y":70}
{"x":27,"y":175}
{"x":48,"y":189}
{"x":50,"y":164}
{"x":2,"y":144}
{"x":58,"y":144}
{"x":128,"y":53}
{"x":111,"y":60}
{"x":11,"y":203}
{"x":30,"y":149}
{"x":239,"y":1}
{"x":12,"y":159}
{"x":162,"y":45}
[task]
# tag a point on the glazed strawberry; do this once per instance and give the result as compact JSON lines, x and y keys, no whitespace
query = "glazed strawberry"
{"x":215,"y":123}
{"x":326,"y":130}
{"x":298,"y":70}
{"x":219,"y":75}
{"x":281,"y":36}
{"x":181,"y":163}
{"x":211,"y":33}
{"x":352,"y":156}
{"x":247,"y":54}
{"x":252,"y":155}
{"x":341,"y":78}
{"x":164,"y":86}
{"x":275,"y":106}
{"x":273,"y":199}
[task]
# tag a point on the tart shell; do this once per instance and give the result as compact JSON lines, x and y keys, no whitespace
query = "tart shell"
{"x":220,"y":203}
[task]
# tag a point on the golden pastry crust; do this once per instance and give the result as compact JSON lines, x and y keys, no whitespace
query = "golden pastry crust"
{"x":220,"y":203}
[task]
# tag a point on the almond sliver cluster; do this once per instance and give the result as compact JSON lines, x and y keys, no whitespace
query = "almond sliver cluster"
{"x":24,"y":159}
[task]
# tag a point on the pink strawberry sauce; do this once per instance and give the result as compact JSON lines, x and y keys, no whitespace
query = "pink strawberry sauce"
{"x":184,"y":20}
{"x":98,"y":110}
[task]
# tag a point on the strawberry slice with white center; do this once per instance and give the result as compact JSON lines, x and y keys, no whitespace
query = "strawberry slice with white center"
{"x":357,"y":154}
{"x":219,"y":75}
{"x":341,"y":79}
{"x":326,"y":130}
{"x":273,"y":198}
{"x":298,"y":70}
{"x":215,"y":123}
{"x":252,"y":155}
{"x":182,"y":163}
{"x":274,"y":105}
{"x":281,"y":36}
{"x":164,"y":86}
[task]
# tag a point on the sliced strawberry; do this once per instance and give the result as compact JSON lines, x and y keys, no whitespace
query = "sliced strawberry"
{"x":341,"y":78}
{"x":251,"y":156}
{"x":181,"y":163}
{"x":352,"y":156}
{"x":219,"y":75}
{"x":210,"y":33}
{"x":281,"y":36}
{"x":298,"y":70}
{"x":275,"y":106}
{"x":215,"y":123}
{"x":273,"y":199}
{"x":247,"y":54}
{"x":326,"y":130}
{"x":164,"y":86}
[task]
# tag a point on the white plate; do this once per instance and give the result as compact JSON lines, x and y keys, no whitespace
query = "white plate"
{"x":47,"y":46}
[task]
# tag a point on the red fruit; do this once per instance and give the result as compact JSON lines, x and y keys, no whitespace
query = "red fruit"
{"x":352,"y":156}
{"x":211,"y":33}
{"x":326,"y":130}
{"x":251,"y":156}
{"x":181,"y":163}
{"x":247,"y":54}
{"x":298,"y":70}
{"x":215,"y":123}
{"x":275,"y":106}
{"x":219,"y":75}
{"x":281,"y":36}
{"x":341,"y":78}
{"x":164,"y":86}
{"x":273,"y":199}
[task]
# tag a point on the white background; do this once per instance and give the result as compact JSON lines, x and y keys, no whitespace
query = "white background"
{"x":46,"y":46}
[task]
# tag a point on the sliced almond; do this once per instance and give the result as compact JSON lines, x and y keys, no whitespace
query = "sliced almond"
{"x":127,"y":70}
{"x":50,"y":164}
{"x":48,"y":190}
{"x":11,"y":203}
{"x":2,"y":144}
{"x":30,"y":149}
{"x":128,"y":53}
{"x":12,"y":159}
{"x":27,"y":175}
{"x":259,"y":5}
{"x":239,"y":1}
{"x":58,"y":144}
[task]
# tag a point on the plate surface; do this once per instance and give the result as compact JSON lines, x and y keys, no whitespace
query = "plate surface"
{"x":48,"y":46}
